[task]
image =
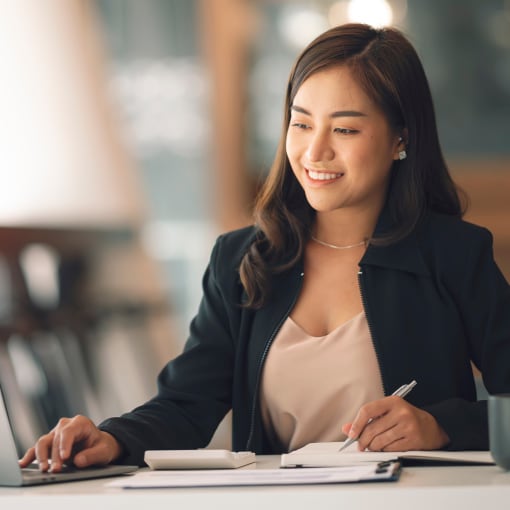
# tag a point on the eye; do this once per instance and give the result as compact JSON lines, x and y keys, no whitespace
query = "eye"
{"x":346,"y":131}
{"x":299,"y":125}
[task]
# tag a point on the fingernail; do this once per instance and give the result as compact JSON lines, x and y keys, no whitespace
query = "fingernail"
{"x":352,"y":433}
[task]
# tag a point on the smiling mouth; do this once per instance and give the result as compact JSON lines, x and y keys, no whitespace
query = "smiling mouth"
{"x":323,"y":176}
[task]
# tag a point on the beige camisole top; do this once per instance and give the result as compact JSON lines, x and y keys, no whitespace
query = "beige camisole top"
{"x":311,"y":385}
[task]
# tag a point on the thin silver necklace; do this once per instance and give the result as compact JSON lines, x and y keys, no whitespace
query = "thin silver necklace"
{"x":336,"y":247}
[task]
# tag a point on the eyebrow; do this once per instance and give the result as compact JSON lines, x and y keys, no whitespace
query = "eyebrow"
{"x":340,"y":113}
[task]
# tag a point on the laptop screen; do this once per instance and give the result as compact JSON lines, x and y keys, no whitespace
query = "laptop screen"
{"x":10,"y":473}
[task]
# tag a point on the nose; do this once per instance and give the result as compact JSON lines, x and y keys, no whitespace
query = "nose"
{"x":320,"y":148}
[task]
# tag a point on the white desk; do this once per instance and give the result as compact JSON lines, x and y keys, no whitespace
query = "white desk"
{"x":419,"y":488}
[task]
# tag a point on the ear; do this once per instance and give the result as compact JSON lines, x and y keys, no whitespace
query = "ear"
{"x":404,"y":138}
{"x":400,"y":149}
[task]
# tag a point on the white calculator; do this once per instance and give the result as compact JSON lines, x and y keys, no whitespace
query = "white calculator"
{"x":197,"y":459}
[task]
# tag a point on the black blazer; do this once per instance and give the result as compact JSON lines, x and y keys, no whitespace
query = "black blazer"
{"x":435,"y":302}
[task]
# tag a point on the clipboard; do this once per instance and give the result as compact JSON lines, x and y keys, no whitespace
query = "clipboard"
{"x":386,"y":471}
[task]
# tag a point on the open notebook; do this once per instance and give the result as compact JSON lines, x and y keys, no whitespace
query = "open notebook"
{"x":327,"y":454}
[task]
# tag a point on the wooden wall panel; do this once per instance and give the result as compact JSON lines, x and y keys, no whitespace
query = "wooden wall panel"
{"x":487,"y":184}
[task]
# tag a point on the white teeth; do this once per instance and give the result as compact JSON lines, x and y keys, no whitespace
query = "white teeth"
{"x":322,"y":176}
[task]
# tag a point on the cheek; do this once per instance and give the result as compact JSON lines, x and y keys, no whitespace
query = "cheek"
{"x":376,"y":154}
{"x":290,"y":145}
{"x":371,"y":164}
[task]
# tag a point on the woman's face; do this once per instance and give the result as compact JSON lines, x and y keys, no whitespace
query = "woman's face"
{"x":339,"y":143}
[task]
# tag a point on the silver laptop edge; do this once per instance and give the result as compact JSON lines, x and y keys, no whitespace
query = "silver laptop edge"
{"x":12,"y":475}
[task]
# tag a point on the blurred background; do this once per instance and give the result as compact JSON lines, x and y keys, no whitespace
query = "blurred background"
{"x":133,"y":133}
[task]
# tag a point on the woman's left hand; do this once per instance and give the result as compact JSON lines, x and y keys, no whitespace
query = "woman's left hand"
{"x":392,"y":424}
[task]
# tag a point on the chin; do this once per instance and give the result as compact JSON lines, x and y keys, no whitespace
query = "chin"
{"x":325,"y":208}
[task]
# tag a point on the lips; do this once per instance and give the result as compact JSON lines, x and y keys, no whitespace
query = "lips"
{"x":322,"y":176}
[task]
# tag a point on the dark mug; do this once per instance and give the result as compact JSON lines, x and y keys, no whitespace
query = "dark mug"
{"x":499,"y":429}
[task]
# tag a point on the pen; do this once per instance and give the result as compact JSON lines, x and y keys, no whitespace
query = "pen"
{"x":400,"y":392}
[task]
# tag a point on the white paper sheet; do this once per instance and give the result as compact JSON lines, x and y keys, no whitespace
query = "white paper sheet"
{"x":228,"y":477}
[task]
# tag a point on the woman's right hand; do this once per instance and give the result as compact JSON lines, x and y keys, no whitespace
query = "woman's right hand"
{"x":73,"y":440}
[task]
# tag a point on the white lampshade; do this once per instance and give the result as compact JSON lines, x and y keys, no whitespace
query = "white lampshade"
{"x":62,"y":159}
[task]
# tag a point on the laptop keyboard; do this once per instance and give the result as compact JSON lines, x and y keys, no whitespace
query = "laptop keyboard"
{"x":34,"y":471}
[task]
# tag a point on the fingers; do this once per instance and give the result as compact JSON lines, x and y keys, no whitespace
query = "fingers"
{"x":57,"y":460}
{"x":382,"y":423}
{"x":61,"y":443}
{"x":66,"y":434}
{"x":383,"y":439}
{"x":104,"y":451}
{"x":80,"y":431}
{"x":74,"y":437}
{"x":346,"y":427}
{"x":43,"y":449}
{"x":28,"y":458}
{"x":365,"y":417}
{"x":392,"y":424}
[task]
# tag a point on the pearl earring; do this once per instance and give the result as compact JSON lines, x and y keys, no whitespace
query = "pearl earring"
{"x":402,"y":154}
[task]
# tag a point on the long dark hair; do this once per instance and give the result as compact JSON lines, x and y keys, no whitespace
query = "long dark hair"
{"x":388,"y":69}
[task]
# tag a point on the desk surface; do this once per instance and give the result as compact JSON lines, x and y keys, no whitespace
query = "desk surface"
{"x":419,"y":488}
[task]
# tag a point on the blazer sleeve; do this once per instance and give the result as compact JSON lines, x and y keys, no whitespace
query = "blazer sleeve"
{"x":194,"y":389}
{"x":483,"y":297}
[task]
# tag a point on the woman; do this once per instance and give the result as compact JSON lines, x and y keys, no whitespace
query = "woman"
{"x":358,"y":276}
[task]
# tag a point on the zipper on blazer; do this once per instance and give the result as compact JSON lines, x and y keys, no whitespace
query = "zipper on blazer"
{"x":263,"y":359}
{"x":370,"y":328}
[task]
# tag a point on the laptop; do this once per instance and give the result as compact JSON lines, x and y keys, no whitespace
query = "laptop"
{"x":12,"y":475}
